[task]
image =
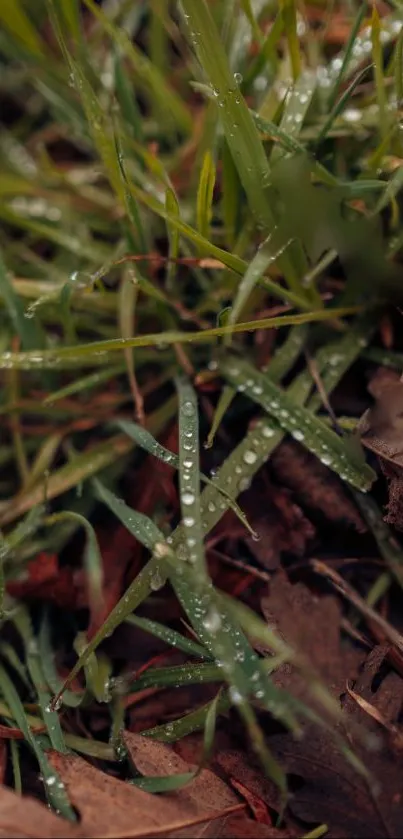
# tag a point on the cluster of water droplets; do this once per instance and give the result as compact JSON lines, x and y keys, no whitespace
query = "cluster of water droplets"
{"x":35,"y":208}
{"x":292,"y":418}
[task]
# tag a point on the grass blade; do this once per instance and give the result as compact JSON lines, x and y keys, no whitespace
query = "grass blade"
{"x":300,"y":423}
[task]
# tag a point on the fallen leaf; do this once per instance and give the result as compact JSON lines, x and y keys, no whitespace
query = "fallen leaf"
{"x":381,"y":428}
{"x":25,"y":818}
{"x":277,"y":519}
{"x":315,"y":486}
{"x":325,"y":786}
{"x":116,"y":809}
{"x":206,"y":791}
{"x":312,"y":626}
{"x":46,"y":580}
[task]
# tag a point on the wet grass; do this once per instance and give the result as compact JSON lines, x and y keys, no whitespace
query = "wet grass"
{"x":174,"y":184}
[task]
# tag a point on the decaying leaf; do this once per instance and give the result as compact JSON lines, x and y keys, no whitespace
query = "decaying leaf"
{"x":116,"y":809}
{"x":312,"y":626}
{"x":327,"y":788}
{"x":381,"y":428}
{"x":28,"y":819}
{"x":315,"y":486}
{"x":279,"y":522}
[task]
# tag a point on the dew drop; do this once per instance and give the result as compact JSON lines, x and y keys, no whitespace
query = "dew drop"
{"x":188,"y":409}
{"x":212,"y":620}
{"x":187,"y":498}
{"x":250,"y":457}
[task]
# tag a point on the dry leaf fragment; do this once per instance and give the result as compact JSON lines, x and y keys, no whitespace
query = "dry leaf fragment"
{"x":381,"y":428}
{"x":315,"y":486}
{"x":116,"y":809}
{"x":26,"y":818}
{"x":205,"y":793}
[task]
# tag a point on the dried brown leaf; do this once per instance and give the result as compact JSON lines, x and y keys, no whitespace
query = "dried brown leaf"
{"x":381,"y":428}
{"x":25,"y":818}
{"x":315,"y":486}
{"x":327,"y":788}
{"x":115,"y":809}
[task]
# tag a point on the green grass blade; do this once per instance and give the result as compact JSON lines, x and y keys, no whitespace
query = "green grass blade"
{"x":54,"y":788}
{"x":91,"y":556}
{"x":239,"y":129}
{"x":289,"y":14}
{"x":189,"y":478}
{"x":55,"y":358}
{"x":267,"y":254}
{"x":194,"y":721}
{"x":160,"y":94}
{"x":15,"y":20}
{"x":300,"y":423}
{"x":26,"y":328}
{"x":143,"y":438}
{"x":169,"y":636}
{"x":345,"y":60}
{"x":205,"y":195}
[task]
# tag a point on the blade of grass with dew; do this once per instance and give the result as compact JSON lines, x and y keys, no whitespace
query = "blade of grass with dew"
{"x":178,"y":676}
{"x":43,"y":460}
{"x":84,"y":465}
{"x":16,"y":766}
{"x":47,"y":657}
{"x":225,"y":399}
{"x":154,"y":85}
{"x":189,"y":478}
{"x":347,"y":55}
{"x":267,"y":254}
{"x":340,"y":104}
{"x":91,"y":556}
{"x":289,"y":14}
{"x":154,"y":784}
{"x":56,"y":358}
{"x":205,"y":195}
{"x":191,"y":583}
{"x":296,"y":108}
{"x":128,"y":295}
{"x":28,"y":330}
{"x":172,"y":207}
{"x":194,"y":721}
{"x":22,"y":622}
{"x":168,"y":636}
{"x":398,"y":61}
{"x":377,"y":53}
{"x":68,"y":476}
{"x":97,"y":671}
{"x":85,"y":384}
{"x":237,"y":471}
{"x":54,"y":788}
{"x":149,"y":578}
{"x":388,"y":546}
{"x":98,"y":125}
{"x":280,"y":364}
{"x":300,"y":423}
{"x":143,"y":438}
{"x":239,"y":129}
{"x":15,"y":20}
